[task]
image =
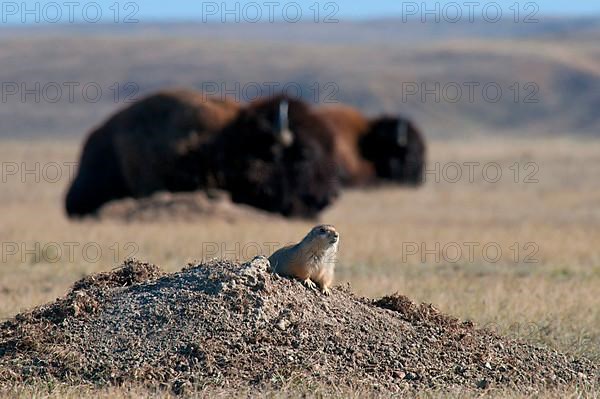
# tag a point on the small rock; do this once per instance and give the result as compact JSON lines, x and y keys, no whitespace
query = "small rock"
{"x":399,"y":374}
{"x":483,"y":384}
{"x":283,"y":324}
{"x":411,"y":376}
{"x":261,"y":263}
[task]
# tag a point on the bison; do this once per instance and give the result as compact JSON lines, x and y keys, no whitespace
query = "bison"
{"x":274,"y":154}
{"x":388,"y":148}
{"x":139,"y":150}
{"x":278,"y":156}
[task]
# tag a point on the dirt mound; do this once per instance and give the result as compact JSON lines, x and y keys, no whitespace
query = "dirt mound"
{"x":180,"y":206}
{"x":233,"y":325}
{"x":86,"y":295}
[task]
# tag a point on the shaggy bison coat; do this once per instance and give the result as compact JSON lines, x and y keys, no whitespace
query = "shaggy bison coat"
{"x":275,"y":154}
{"x":278,"y":156}
{"x":386,"y":148}
{"x":140,"y":150}
{"x":350,"y":127}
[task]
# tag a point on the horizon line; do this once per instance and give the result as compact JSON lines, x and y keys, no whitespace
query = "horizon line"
{"x":187,"y":20}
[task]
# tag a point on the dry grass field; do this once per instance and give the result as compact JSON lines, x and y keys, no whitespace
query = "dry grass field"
{"x":438,"y":244}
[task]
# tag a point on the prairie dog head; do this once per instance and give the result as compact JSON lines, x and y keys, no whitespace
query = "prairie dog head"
{"x":323,"y":238}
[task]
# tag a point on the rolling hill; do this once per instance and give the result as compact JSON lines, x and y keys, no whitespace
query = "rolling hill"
{"x":455,"y":80}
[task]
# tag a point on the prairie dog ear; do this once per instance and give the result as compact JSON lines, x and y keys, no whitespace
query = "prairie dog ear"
{"x":402,"y":132}
{"x":285,"y":135}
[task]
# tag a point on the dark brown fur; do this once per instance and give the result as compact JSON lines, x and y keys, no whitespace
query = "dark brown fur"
{"x":180,"y":141}
{"x":400,"y":158}
{"x":139,"y":150}
{"x":386,"y":148}
{"x":258,"y":168}
{"x":350,"y":127}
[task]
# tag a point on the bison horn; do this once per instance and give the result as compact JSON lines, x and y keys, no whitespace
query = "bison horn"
{"x":285,"y":134}
{"x":402,"y":133}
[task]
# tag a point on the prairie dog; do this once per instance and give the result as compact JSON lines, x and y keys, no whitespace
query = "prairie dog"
{"x":312,"y":260}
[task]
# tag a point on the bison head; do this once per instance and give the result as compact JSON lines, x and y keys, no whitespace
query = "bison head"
{"x":396,"y":148}
{"x":277,"y":156}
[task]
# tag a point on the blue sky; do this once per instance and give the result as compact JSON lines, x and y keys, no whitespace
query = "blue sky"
{"x":44,"y":11}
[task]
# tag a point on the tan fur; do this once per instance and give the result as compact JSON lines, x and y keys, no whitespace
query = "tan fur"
{"x":349,"y":126}
{"x":312,"y":260}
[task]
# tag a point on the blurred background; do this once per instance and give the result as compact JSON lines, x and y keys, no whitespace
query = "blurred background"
{"x":459,"y":70}
{"x":504,"y":231}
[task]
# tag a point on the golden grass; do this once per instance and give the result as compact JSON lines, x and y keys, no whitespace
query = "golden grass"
{"x":552,"y":302}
